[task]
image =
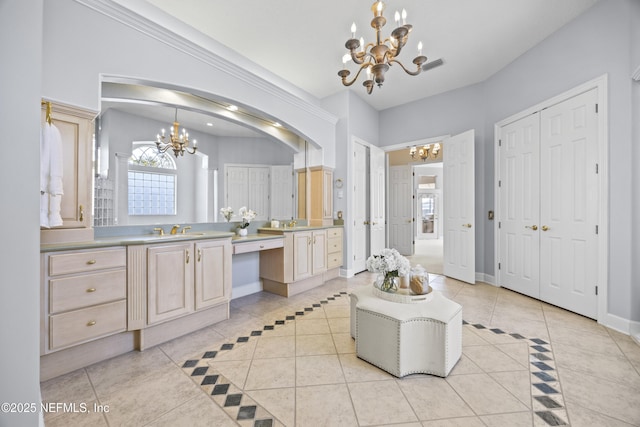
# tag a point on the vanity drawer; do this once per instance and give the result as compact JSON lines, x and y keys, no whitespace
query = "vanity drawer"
{"x":84,"y":261}
{"x":81,"y":325}
{"x":262,"y":245}
{"x":334,"y":232}
{"x":70,"y":293}
{"x":334,"y":244}
{"x":334,"y":260}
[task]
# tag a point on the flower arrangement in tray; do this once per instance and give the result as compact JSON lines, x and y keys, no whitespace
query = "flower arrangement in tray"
{"x":389,"y":265}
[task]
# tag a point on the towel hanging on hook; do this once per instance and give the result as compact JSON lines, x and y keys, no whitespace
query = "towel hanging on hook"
{"x":48,"y":111}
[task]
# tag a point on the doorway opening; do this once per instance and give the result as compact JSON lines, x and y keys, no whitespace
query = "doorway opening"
{"x":428,"y":233}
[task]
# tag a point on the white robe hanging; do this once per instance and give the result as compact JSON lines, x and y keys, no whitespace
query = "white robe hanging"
{"x":51,"y":167}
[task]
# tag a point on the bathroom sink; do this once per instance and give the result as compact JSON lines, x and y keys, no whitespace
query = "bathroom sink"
{"x":174,"y":236}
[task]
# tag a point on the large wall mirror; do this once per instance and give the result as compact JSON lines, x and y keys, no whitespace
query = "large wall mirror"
{"x":242,"y":159}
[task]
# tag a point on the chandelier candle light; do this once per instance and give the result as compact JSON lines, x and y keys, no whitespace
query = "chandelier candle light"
{"x":178,"y":141}
{"x":426,"y":152}
{"x":377,"y":57}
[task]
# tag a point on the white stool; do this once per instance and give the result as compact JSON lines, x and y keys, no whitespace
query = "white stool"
{"x":403,"y":339}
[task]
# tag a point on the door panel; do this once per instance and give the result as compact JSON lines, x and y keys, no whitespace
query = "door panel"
{"x":400,"y":209}
{"x":377,"y":200}
{"x":569,"y":204}
{"x":520,"y":192}
{"x":281,"y":192}
{"x":459,"y":212}
{"x":360,"y":234}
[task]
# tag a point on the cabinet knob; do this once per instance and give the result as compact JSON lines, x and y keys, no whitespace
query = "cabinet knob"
{"x":91,"y":323}
{"x":91,"y":261}
{"x":91,"y":290}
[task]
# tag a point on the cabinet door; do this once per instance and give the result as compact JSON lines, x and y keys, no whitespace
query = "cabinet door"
{"x":319,"y":250}
{"x":212,"y":270}
{"x":76,"y":129}
{"x":302,"y":261}
{"x":170,"y":281}
{"x":327,"y":195}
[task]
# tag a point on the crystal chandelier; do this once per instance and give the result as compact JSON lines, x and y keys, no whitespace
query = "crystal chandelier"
{"x":178,"y":141}
{"x":425,"y":152}
{"x":377,"y":57}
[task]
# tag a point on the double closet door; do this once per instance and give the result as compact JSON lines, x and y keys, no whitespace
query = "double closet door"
{"x":549,"y":204}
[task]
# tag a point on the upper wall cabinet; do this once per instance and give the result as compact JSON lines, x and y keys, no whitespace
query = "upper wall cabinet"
{"x":76,"y":131}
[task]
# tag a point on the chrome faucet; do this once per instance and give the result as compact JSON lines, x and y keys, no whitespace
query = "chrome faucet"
{"x":184,"y":229}
{"x":174,"y":229}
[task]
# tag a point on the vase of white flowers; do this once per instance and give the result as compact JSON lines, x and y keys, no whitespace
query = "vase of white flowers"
{"x":227,"y":213}
{"x":390,"y":266}
{"x":246,"y":215}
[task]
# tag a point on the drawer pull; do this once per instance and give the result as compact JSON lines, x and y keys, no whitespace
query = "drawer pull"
{"x":91,"y":290}
{"x":187,"y":256}
{"x":91,"y":261}
{"x":261,"y":246}
{"x":91,"y":323}
{"x":199,"y":254}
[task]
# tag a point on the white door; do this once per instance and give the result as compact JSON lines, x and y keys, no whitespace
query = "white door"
{"x":569,"y":204}
{"x":519,"y":188}
{"x":258,"y":192}
{"x":282,"y":192}
{"x":400,"y":209}
{"x":377,"y":184}
{"x":236,"y":188}
{"x":360,"y":232}
{"x":459,"y":210}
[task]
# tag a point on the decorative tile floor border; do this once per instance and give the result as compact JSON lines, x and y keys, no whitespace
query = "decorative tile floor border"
{"x":547,"y":399}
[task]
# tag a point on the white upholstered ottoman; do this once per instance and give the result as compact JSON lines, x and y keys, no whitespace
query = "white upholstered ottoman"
{"x":403,"y":339}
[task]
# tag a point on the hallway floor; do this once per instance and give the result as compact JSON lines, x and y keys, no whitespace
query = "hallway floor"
{"x":291,"y":362}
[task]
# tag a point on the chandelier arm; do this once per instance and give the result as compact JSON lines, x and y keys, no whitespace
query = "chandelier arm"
{"x":412,"y":73}
{"x":362,"y":67}
{"x":354,"y":57}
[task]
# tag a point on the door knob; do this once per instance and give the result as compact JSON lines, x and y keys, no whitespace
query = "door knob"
{"x":466,"y":225}
{"x":366,"y":223}
{"x":545,"y":228}
{"x":532,"y":227}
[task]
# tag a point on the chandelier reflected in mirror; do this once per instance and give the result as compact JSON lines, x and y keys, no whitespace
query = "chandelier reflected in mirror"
{"x":178,"y":141}
{"x":425,"y":152}
{"x":376,"y":58}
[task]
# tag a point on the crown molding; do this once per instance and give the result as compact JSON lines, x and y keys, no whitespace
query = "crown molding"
{"x":203,"y":48}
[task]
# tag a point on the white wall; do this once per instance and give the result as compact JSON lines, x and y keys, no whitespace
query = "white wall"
{"x":635,"y":68}
{"x":20,"y":78}
{"x":595,"y":43}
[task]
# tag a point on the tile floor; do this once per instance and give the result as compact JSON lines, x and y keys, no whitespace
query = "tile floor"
{"x":291,"y":362}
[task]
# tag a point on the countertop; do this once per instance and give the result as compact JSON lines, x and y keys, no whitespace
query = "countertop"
{"x":147,"y":239}
{"x":143,"y":239}
{"x":297,"y":228}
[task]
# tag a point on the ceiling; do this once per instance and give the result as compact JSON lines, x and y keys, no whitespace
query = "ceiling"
{"x":192,"y":121}
{"x":303,"y":41}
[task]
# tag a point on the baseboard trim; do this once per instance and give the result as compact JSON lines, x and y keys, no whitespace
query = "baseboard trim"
{"x":246,"y":289}
{"x":634,"y":331}
{"x":486,"y":278}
